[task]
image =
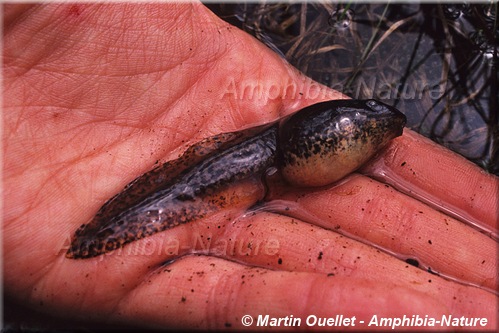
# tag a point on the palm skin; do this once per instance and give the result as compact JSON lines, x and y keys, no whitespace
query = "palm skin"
{"x":95,"y":95}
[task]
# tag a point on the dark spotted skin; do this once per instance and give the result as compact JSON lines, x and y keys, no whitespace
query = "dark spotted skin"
{"x":177,"y":192}
{"x":315,"y":146}
{"x":338,"y":140}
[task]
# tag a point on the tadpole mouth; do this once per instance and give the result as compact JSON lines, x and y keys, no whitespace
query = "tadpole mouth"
{"x":395,"y":121}
{"x":399,"y":122}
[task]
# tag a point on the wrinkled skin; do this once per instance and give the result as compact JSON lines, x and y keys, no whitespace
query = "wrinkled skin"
{"x":94,"y":95}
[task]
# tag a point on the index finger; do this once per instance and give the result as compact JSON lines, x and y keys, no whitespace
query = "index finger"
{"x":376,"y":214}
{"x":448,"y":182}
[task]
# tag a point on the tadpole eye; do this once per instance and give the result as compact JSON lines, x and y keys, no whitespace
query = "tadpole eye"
{"x":375,"y":106}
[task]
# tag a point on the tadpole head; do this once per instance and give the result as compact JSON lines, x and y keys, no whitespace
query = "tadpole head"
{"x":327,"y":141}
{"x":387,"y":117}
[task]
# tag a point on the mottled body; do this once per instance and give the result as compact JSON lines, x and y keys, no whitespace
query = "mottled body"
{"x":323,"y":143}
{"x":315,"y":146}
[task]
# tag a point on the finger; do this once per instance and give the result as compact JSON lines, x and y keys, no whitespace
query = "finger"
{"x":282,"y":243}
{"x":98,"y":165}
{"x":204,"y":292}
{"x":442,"y":178}
{"x":377,"y":214}
{"x":261,"y":240}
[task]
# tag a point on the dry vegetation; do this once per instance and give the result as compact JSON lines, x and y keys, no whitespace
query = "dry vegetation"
{"x":436,"y":63}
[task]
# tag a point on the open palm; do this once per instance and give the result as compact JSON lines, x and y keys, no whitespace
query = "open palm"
{"x":95,"y":95}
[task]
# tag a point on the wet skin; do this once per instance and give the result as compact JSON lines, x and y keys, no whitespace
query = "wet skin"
{"x":315,"y":146}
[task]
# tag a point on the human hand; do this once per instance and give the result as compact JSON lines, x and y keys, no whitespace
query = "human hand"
{"x":96,"y":94}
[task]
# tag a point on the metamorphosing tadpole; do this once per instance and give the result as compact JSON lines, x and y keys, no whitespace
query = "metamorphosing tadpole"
{"x":315,"y":146}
